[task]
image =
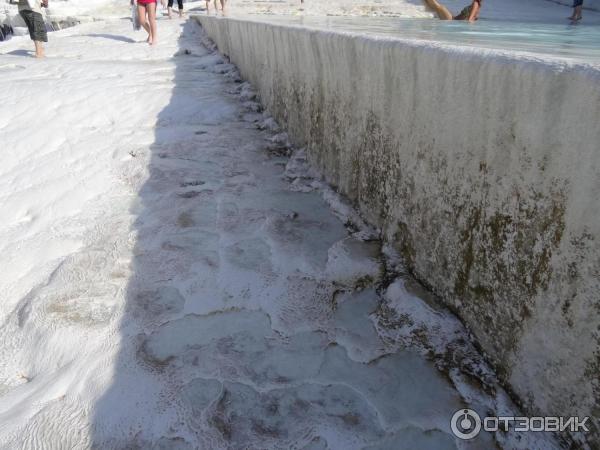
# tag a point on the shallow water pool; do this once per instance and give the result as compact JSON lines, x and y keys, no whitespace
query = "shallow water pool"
{"x":580,"y":43}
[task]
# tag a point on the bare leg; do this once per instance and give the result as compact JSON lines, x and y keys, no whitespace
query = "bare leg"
{"x":39,"y":49}
{"x":169,"y":12}
{"x":442,"y":12}
{"x":151,"y":7}
{"x":223,"y":4}
{"x":475,"y":8}
{"x":576,"y":13}
{"x":144,"y":22}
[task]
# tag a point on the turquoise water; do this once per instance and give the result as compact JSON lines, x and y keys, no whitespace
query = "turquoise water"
{"x":575,"y":42}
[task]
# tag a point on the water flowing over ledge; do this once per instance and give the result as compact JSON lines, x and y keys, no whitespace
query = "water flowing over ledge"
{"x":481,"y":167}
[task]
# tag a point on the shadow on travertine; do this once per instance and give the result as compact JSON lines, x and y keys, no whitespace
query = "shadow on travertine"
{"x":114,"y":37}
{"x":252,"y":316}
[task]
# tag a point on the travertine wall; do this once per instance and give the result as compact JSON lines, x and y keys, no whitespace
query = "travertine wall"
{"x":484,"y":171}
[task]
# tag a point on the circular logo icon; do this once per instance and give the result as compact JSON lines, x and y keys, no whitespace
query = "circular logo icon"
{"x":465,"y":424}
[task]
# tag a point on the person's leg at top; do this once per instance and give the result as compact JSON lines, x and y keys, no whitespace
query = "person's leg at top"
{"x":577,"y":9}
{"x":442,"y":12}
{"x":151,"y":10}
{"x":148,"y":8}
{"x":36,"y":26}
{"x":469,"y":13}
{"x":141,"y":8}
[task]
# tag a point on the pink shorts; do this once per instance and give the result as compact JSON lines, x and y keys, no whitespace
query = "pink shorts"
{"x":146,"y":2}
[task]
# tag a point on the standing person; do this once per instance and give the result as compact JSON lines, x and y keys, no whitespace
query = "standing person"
{"x":577,"y":7}
{"x":170,"y":7}
{"x":469,"y":13}
{"x":31,"y":12}
{"x":223,"y":3}
{"x":149,"y":24}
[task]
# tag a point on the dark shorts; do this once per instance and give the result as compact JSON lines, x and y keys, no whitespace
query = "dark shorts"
{"x":466,"y":12}
{"x":35,"y":24}
{"x":577,"y":3}
{"x":179,"y":3}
